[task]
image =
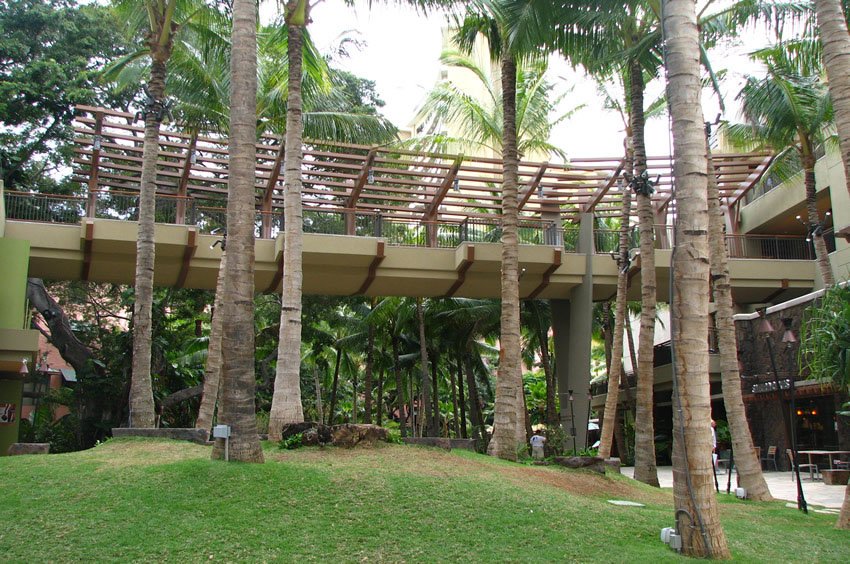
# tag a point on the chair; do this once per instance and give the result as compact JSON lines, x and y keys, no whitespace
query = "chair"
{"x":770,"y":457}
{"x":723,"y":460}
{"x":812,"y":468}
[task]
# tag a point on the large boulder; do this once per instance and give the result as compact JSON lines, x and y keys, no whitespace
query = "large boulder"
{"x":312,"y":433}
{"x":350,"y":435}
{"x":595,"y":463}
{"x":28,"y":448}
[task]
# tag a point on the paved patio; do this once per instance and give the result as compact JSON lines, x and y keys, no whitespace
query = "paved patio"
{"x":779,"y":483}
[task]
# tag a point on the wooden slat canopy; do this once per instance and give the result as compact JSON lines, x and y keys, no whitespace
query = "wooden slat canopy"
{"x":398,"y":183}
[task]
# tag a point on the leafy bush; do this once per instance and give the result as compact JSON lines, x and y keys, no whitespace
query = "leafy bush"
{"x":292,"y":442}
{"x":262,"y":422}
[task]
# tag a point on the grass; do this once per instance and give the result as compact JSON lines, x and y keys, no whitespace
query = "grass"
{"x":142,"y":499}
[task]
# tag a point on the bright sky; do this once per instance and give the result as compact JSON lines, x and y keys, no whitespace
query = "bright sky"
{"x":400,"y":53}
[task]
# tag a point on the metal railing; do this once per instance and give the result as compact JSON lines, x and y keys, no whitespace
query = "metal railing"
{"x":50,"y":208}
{"x":210,"y":215}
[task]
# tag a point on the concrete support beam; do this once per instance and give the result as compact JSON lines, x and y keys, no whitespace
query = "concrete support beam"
{"x":571,"y":321}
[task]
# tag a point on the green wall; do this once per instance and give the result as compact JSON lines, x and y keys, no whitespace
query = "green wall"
{"x":14,"y":256}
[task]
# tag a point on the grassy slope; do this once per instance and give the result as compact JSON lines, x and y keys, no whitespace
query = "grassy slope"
{"x":160,"y":500}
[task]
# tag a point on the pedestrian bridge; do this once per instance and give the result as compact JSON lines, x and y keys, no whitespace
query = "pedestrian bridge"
{"x":378,"y":220}
{"x":67,"y":245}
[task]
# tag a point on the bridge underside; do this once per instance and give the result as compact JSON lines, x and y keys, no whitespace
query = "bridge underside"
{"x":104,"y":251}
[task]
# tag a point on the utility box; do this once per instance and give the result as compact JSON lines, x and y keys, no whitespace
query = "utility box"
{"x":221,"y":432}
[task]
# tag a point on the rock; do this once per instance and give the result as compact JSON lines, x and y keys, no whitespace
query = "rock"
{"x":594,"y":463}
{"x":28,"y":448}
{"x":312,"y":433}
{"x":349,"y":435}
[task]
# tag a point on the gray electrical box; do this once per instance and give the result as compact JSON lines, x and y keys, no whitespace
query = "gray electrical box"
{"x":221,"y":432}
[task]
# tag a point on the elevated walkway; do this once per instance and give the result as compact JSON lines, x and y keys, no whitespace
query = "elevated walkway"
{"x":103,"y":250}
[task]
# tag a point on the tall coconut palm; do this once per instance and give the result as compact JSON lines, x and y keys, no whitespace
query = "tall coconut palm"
{"x":789,"y":111}
{"x":614,"y":371}
{"x":238,"y":389}
{"x":286,"y":403}
{"x":159,"y":22}
{"x":477,"y":118}
{"x":747,"y":463}
{"x":692,"y":465}
{"x":212,"y":370}
{"x":832,"y":29}
{"x":507,"y":48}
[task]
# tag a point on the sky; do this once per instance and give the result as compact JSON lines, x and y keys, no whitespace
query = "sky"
{"x":400,"y":50}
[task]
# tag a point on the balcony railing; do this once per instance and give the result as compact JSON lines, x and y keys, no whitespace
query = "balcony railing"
{"x":210,"y":216}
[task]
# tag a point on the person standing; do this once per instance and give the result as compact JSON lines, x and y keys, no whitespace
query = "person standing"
{"x":537,"y":441}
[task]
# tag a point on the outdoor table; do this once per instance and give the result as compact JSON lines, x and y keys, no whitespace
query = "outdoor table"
{"x":827,"y":453}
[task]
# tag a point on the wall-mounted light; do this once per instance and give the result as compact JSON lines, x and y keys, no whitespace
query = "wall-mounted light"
{"x":24,"y":369}
{"x":95,"y":144}
{"x":370,"y":178}
{"x":456,"y":185}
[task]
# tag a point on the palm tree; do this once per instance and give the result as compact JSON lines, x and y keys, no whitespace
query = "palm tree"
{"x":212,"y":370}
{"x":286,"y":403}
{"x":832,"y":28}
{"x":478,"y":118}
{"x":747,"y":463}
{"x":692,"y":465}
{"x":612,"y":398}
{"x":490,"y":20}
{"x":789,"y":111}
{"x":159,"y":21}
{"x":239,"y":383}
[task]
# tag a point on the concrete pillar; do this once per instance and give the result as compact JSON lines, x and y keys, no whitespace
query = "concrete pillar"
{"x":572,"y":324}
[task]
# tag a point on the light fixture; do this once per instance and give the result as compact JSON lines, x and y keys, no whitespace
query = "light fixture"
{"x":370,"y":178}
{"x":24,"y":369}
{"x":540,"y":190}
{"x":96,"y":143}
{"x":764,"y":324}
{"x":788,"y":336}
{"x":193,"y":157}
{"x":456,"y":185}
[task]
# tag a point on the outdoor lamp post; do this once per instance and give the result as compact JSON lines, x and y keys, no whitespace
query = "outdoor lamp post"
{"x":573,"y":421}
{"x":789,"y":339}
{"x":766,"y":329}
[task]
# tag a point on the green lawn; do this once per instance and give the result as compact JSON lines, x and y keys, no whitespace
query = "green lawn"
{"x":161,"y":500}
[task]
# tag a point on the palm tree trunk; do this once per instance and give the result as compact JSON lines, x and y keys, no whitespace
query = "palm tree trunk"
{"x":237,"y":343}
{"x":475,"y":414}
{"x":286,"y":401}
{"x":334,"y":386}
{"x":832,"y":28}
{"x":141,"y":392}
{"x":693,"y":479}
{"x":455,"y":415}
{"x":379,"y":401}
{"x":645,"y":468}
{"x":212,"y":370}
{"x":821,"y":253}
{"x":399,"y":389}
{"x":506,"y":411}
{"x":607,"y":334}
{"x":748,"y":464}
{"x":423,"y":367}
{"x":320,"y":410}
{"x":609,"y":421}
{"x":435,"y":396}
{"x":370,"y":362}
{"x":461,"y":399}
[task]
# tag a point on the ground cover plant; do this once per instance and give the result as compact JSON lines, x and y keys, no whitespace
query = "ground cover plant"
{"x":144,"y":499}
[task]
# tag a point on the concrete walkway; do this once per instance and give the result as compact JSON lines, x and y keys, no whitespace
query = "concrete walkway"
{"x":779,"y":483}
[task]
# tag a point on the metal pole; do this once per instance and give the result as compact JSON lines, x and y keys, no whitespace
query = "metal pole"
{"x":573,"y":421}
{"x":801,"y":499}
{"x":786,"y":417}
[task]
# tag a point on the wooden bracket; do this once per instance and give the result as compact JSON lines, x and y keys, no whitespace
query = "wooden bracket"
{"x":556,"y":263}
{"x":373,"y":270}
{"x":188,"y":253}
{"x":278,"y":275}
{"x":461,"y":271}
{"x":87,"y":249}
